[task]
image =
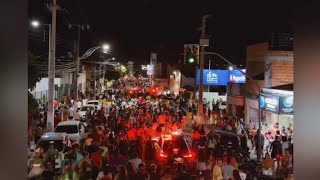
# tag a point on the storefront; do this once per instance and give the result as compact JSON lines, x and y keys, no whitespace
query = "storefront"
{"x":277,"y":107}
{"x":235,"y":105}
{"x":251,"y":112}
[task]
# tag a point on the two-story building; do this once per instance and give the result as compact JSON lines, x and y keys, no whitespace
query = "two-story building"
{"x":269,"y":67}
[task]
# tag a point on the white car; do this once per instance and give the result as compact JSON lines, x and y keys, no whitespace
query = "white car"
{"x":59,"y":141}
{"x":74,"y":129}
{"x":222,"y":105}
{"x":96,"y":103}
{"x":84,"y":109}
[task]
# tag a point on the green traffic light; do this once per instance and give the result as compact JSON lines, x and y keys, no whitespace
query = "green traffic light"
{"x":191,"y":60}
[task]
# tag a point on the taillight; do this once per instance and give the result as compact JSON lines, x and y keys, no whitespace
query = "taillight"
{"x":175,"y":151}
{"x":188,"y":155}
{"x":163,"y":154}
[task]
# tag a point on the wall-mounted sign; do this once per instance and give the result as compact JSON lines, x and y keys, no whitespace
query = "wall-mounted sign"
{"x":220,"y":77}
{"x":237,"y":76}
{"x":269,"y":103}
{"x":286,"y":105}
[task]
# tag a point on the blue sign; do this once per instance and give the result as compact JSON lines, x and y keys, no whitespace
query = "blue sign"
{"x":286,"y":105}
{"x":220,"y":77}
{"x":269,"y":103}
{"x":237,"y":76}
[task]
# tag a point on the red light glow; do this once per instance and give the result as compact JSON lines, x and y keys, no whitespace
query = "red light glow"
{"x":188,"y":156}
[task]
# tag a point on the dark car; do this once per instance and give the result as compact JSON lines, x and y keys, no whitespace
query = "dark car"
{"x":228,"y":140}
{"x":173,"y":148}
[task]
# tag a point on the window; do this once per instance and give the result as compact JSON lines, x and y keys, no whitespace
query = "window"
{"x":94,"y":103}
{"x":58,"y":144}
{"x":85,"y":108}
{"x":69,"y":129}
{"x":179,"y":143}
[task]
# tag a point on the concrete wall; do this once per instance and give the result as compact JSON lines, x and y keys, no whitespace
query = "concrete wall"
{"x":188,"y":81}
{"x":281,"y":72}
{"x":252,"y":86}
{"x":214,"y":95}
{"x":42,"y":85}
{"x":82,"y":81}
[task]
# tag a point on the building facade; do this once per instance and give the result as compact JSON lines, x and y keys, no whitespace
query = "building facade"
{"x":268,"y":67}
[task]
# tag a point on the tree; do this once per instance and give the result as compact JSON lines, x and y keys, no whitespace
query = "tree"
{"x":35,"y":74}
{"x":112,"y":74}
{"x":115,"y":73}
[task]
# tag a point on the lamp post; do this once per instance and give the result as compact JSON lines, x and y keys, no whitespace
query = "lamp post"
{"x":105,"y":48}
{"x":203,"y":42}
{"x":51,"y":71}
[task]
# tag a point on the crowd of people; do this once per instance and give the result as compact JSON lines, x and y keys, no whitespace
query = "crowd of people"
{"x":120,"y":142}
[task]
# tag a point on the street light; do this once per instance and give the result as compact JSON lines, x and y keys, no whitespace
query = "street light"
{"x":51,"y":73}
{"x":105,"y":48}
{"x":230,"y":68}
{"x":35,"y":23}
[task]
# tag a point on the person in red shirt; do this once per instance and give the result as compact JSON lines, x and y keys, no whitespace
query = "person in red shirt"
{"x":96,"y":161}
{"x":161,"y":120}
{"x":57,"y":119}
{"x":131,"y":135}
{"x":140,"y":133}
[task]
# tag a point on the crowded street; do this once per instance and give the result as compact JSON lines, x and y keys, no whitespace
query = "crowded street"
{"x":146,"y":92}
{"x":140,"y":133}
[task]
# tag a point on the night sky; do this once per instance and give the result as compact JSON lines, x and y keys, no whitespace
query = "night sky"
{"x":134,"y":28}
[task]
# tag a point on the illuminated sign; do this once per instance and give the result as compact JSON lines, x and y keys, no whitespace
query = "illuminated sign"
{"x":220,"y":77}
{"x":286,"y":105}
{"x":269,"y":103}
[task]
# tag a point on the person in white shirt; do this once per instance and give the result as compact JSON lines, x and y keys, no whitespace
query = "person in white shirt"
{"x":76,"y":115}
{"x":135,"y":160}
{"x":243,"y":175}
{"x":79,"y":104}
{"x":71,"y":113}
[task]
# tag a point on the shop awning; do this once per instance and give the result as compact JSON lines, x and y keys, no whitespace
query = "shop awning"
{"x":285,"y":87}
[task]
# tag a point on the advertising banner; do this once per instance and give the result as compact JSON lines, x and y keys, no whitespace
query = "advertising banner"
{"x":286,"y":105}
{"x":220,"y":77}
{"x":269,"y":103}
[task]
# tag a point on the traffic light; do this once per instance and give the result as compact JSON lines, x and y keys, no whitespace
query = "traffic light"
{"x":191,"y":53}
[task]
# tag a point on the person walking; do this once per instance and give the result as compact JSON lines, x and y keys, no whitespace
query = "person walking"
{"x":217,"y":170}
{"x":227,"y":169}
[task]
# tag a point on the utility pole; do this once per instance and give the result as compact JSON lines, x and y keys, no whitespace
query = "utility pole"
{"x":77,"y":66}
{"x":77,"y":51}
{"x":209,"y":70}
{"x":202,"y":46}
{"x":51,"y":68}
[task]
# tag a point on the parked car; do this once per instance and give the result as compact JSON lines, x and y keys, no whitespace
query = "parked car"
{"x":229,"y":140}
{"x":59,"y":141}
{"x":96,"y":103}
{"x":75,"y":130}
{"x":84,"y":109}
